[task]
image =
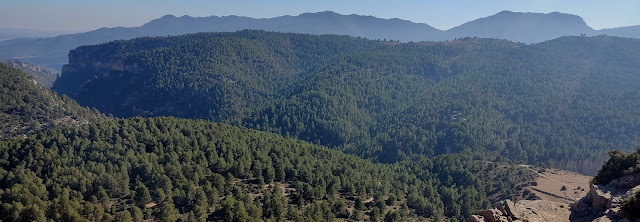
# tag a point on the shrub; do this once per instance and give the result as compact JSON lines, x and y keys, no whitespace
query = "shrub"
{"x":618,"y":165}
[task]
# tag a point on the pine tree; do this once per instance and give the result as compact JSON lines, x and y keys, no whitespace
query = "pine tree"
{"x":142,"y":196}
{"x":167,"y":212}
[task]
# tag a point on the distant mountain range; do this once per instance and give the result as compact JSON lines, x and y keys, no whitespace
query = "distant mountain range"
{"x":514,"y":26}
{"x":11,"y":33}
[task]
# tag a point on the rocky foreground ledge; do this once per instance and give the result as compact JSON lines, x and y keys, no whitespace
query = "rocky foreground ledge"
{"x":603,"y":203}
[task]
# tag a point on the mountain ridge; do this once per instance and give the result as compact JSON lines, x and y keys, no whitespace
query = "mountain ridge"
{"x":524,"y":27}
{"x":52,"y":52}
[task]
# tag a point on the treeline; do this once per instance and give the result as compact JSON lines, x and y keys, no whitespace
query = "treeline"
{"x":559,"y":103}
{"x":171,"y":169}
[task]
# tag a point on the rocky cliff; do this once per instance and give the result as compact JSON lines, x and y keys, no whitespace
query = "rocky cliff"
{"x":90,"y":64}
{"x":605,"y":202}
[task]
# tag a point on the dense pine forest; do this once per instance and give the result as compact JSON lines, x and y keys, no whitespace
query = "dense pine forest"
{"x":169,"y":169}
{"x":266,"y":126}
{"x":560,"y":103}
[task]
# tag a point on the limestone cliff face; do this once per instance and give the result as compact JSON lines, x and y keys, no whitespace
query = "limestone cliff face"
{"x":100,"y":69}
{"x":88,"y":64}
{"x":85,"y":60}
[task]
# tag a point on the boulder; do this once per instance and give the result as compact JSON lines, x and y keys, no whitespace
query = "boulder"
{"x":492,"y":215}
{"x":615,"y":212}
{"x":475,"y":218}
{"x":627,"y":181}
{"x":602,"y":219}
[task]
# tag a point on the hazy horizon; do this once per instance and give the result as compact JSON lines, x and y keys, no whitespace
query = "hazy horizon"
{"x":62,"y":16}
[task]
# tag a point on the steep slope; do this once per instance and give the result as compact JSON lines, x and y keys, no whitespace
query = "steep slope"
{"x":167,"y":168}
{"x":378,"y":99}
{"x":523,"y":27}
{"x":44,"y":76}
{"x":28,"y":108}
{"x":52,"y":52}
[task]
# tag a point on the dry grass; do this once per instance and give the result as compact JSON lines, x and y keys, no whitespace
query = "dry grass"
{"x":550,"y":183}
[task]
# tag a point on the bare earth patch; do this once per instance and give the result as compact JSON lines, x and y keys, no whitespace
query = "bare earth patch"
{"x":550,"y":183}
{"x":543,"y":210}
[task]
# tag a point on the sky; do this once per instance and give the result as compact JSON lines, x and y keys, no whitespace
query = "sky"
{"x":86,"y":15}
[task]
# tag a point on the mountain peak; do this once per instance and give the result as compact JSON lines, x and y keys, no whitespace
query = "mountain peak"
{"x":533,"y":14}
{"x":525,"y":27}
{"x":167,"y":17}
{"x":505,"y":12}
{"x":323,"y":13}
{"x":164,"y":20}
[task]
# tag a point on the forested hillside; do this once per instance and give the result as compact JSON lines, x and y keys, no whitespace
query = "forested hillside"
{"x":26,"y":107}
{"x":44,"y":76}
{"x":563,"y":102}
{"x":165,"y":169}
{"x":211,"y":76}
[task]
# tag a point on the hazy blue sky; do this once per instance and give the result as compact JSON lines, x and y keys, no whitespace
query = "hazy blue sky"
{"x":84,"y":15}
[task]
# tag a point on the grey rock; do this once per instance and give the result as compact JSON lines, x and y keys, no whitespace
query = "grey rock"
{"x":600,"y":199}
{"x":511,"y":209}
{"x":491,"y":215}
{"x":475,"y":218}
{"x":602,"y":219}
{"x":627,"y":181}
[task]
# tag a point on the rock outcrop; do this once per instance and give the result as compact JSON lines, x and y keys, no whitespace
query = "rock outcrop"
{"x":523,"y":210}
{"x":604,"y":202}
{"x":504,"y":211}
{"x":493,"y":215}
{"x":475,"y":218}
